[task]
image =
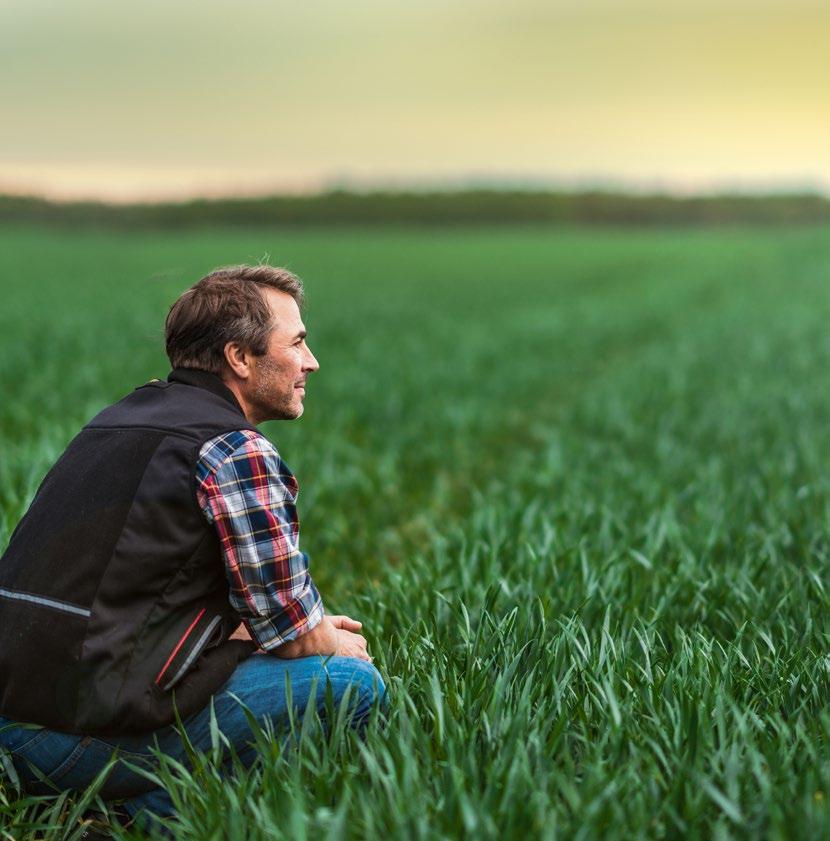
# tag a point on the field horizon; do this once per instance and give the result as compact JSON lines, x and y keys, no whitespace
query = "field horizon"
{"x":430,"y":208}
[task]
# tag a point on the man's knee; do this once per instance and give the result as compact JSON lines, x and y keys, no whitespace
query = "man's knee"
{"x":360,"y":680}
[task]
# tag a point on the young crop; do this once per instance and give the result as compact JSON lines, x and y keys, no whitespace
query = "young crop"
{"x":573,"y":482}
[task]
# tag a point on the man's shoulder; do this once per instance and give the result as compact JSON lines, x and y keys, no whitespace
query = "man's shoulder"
{"x":237,"y":443}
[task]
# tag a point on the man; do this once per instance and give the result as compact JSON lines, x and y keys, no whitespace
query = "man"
{"x":158,"y":568}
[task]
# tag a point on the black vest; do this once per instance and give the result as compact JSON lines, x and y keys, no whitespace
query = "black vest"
{"x":113,"y":593}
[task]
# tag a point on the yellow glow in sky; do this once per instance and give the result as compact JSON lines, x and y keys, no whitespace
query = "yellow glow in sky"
{"x":179,"y":98}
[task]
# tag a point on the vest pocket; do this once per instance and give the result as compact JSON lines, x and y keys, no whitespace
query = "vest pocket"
{"x":203,"y":630}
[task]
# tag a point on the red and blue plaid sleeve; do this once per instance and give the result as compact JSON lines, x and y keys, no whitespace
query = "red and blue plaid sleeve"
{"x":248,"y":493}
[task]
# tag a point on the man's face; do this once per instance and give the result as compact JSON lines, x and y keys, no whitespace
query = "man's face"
{"x":277,"y":385}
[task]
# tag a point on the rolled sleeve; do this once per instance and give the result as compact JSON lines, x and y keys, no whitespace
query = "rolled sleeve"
{"x":249,"y":495}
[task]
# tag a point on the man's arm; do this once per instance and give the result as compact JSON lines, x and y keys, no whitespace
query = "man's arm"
{"x":248,"y":494}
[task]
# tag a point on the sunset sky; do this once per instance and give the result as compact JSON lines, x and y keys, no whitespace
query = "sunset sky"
{"x":177,"y":98}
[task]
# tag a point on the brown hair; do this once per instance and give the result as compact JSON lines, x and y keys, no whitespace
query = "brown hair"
{"x":225,"y":306}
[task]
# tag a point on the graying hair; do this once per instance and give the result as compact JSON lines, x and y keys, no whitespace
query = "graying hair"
{"x":225,"y":306}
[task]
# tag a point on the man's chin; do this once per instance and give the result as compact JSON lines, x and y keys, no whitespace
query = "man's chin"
{"x":292,"y":412}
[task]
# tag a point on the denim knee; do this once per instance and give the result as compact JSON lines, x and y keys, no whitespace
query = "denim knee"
{"x":363,"y":682}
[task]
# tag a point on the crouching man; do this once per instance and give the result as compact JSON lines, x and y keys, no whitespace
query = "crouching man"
{"x":158,"y":567}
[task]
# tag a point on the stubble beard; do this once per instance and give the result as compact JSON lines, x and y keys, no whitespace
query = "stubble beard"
{"x":272,"y":403}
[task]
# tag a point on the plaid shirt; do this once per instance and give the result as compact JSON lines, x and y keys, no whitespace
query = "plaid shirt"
{"x":248,"y":493}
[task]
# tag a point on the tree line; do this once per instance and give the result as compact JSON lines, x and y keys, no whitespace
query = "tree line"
{"x":464,"y":207}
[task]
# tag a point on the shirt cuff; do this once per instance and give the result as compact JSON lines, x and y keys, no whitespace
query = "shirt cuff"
{"x":294,"y":620}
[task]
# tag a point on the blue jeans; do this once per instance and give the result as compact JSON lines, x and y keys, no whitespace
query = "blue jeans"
{"x":73,"y":761}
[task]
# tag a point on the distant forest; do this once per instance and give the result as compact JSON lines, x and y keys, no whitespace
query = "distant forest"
{"x":471,"y":207}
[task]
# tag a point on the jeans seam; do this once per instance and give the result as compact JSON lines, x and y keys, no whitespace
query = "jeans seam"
{"x":135,"y":756}
{"x":35,"y":740}
{"x":71,"y":761}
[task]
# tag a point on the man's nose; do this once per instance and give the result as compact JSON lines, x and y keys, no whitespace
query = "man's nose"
{"x":311,"y":363}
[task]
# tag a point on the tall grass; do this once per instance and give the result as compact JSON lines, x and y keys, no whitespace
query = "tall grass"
{"x":575,"y":485}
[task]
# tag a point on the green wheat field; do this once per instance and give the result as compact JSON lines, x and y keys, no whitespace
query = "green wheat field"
{"x":575,"y":482}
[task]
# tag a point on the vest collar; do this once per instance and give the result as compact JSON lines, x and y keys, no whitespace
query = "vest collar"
{"x":206,"y":380}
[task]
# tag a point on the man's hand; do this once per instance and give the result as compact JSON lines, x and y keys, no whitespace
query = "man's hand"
{"x":346,"y":623}
{"x":350,"y":643}
{"x":334,"y":635}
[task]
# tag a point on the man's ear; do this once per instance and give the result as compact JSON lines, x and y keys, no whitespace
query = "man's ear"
{"x":239,"y":360}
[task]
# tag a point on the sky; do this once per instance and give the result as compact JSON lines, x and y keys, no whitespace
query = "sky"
{"x":176,"y":98}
